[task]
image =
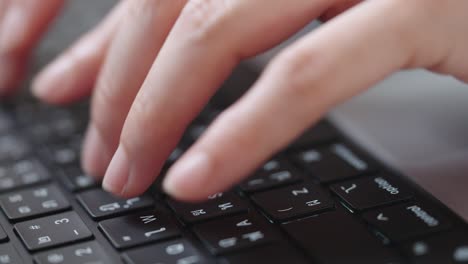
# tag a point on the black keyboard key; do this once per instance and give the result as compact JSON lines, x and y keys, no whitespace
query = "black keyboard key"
{"x":62,"y":155}
{"x":40,"y":132}
{"x":294,"y":201}
{"x":218,"y":204}
{"x":407,"y":221}
{"x":9,"y":255}
{"x":274,"y":173}
{"x":171,"y":252}
{"x":333,"y":162}
{"x":447,"y":248}
{"x":84,"y":253}
{"x":13,"y":148}
{"x":369,"y":192}
{"x":233,"y":233}
{"x":66,"y":126}
{"x":52,"y":231}
{"x":33,"y":202}
{"x":337,"y":237}
{"x":76,"y":180}
{"x":99,"y":203}
{"x":272,"y":254}
{"x":141,"y":228}
{"x":319,"y":133}
{"x":22,"y":173}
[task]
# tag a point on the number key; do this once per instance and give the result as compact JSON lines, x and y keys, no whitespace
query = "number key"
{"x":100,"y":204}
{"x":140,"y":228}
{"x":52,"y":231}
{"x":89,"y":252}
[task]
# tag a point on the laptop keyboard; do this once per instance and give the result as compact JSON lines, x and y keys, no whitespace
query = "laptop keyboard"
{"x":321,"y":200}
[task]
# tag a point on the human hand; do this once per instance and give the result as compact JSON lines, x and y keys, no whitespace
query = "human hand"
{"x":168,"y":57}
{"x":22,"y":22}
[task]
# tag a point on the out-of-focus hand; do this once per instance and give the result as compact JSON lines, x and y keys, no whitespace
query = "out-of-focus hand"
{"x":157,"y":62}
{"x":22,"y":22}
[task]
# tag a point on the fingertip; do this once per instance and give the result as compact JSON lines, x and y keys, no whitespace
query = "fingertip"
{"x":49,"y":84}
{"x":117,"y":175}
{"x":95,"y":157}
{"x":188,"y":179}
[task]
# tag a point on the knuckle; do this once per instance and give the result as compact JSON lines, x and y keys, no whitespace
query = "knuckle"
{"x":203,"y":18}
{"x":104,"y":114}
{"x":139,"y":119}
{"x":303,"y":71}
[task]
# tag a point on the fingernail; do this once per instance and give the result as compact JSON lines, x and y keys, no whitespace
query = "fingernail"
{"x":48,"y":82}
{"x":95,"y":156}
{"x":117,"y":174}
{"x":187,"y":175}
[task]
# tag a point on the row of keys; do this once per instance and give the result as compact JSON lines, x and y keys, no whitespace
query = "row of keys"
{"x":278,"y":189}
{"x":21,"y":173}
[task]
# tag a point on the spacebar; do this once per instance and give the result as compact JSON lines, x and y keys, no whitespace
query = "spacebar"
{"x":337,"y":237}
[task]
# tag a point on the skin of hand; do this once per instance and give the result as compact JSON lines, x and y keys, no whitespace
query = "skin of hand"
{"x":152,"y":65}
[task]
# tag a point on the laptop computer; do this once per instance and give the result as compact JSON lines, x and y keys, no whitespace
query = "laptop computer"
{"x":323,"y":199}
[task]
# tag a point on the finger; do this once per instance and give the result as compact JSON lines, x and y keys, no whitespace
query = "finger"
{"x":23,"y":24}
{"x":340,"y":59}
{"x":141,"y":35}
{"x":72,"y":75}
{"x":338,"y":8}
{"x":206,"y":43}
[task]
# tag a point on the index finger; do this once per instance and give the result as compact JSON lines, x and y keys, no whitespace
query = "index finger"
{"x":206,"y":43}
